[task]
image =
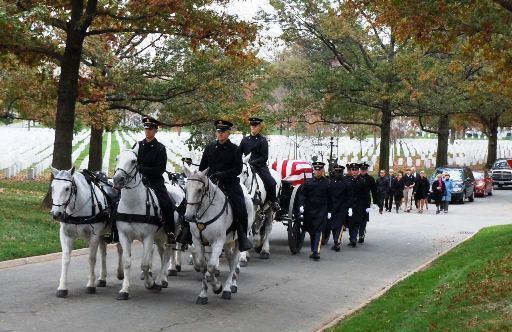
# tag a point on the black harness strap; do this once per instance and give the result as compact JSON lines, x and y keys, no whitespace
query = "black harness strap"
{"x":201,"y":226}
{"x":139,"y":218}
{"x":94,"y":219}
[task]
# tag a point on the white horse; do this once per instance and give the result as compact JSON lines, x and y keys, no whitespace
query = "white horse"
{"x":210,"y":216}
{"x":79,"y":207}
{"x":138,"y":216}
{"x":264,"y":215}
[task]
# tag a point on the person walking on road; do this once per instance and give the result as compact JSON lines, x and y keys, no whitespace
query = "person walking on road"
{"x":371,"y":196}
{"x":359,"y":203}
{"x":398,"y":190}
{"x":314,"y":205}
{"x":438,"y":191}
{"x":388,"y":200}
{"x":447,"y":197}
{"x":382,"y":189}
{"x":422,"y":190}
{"x":341,"y":195}
{"x":409,"y":181}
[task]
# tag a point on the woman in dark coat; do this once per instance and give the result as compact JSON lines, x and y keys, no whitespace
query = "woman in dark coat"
{"x":422,"y":189}
{"x":438,"y":191}
{"x":397,"y":188}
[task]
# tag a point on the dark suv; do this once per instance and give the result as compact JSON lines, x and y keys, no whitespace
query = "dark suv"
{"x":463,"y":182}
{"x":502,"y":172}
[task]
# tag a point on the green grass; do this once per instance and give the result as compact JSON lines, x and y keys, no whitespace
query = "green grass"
{"x":467,"y":289}
{"x":25,"y":228}
{"x":114,"y":152}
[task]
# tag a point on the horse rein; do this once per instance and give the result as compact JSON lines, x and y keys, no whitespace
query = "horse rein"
{"x":71,"y":194}
{"x":206,"y":190}
{"x":129,"y":175}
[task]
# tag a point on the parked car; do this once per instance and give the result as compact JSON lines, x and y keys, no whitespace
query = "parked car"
{"x":502,"y":172}
{"x":463,"y":182}
{"x":483,"y":183}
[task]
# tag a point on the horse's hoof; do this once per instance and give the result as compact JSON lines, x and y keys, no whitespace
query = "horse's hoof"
{"x":178,"y":268}
{"x":243,"y":263}
{"x":90,"y":290}
{"x":218,"y":290}
{"x":120,"y":276}
{"x":101,"y":283}
{"x":237,"y":270}
{"x":142,"y":276}
{"x":155,"y":287}
{"x":172,"y":273}
{"x":216,"y":273}
{"x":226,"y":295}
{"x":202,"y":300}
{"x":165,"y":284}
{"x":123,"y":296}
{"x":258,"y":249}
{"x":234,"y":289}
{"x":264,"y":255}
{"x":197,"y":269}
{"x":62,"y":293}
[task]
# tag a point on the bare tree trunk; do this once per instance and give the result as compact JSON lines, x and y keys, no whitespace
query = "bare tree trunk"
{"x":385,"y":135}
{"x":95,"y":149}
{"x":443,"y":135}
{"x":492,"y":145}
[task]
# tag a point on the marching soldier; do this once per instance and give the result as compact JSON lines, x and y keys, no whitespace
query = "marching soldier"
{"x":359,"y":203}
{"x":371,"y":188}
{"x":152,"y":161}
{"x":257,"y":146}
{"x":314,"y":205}
{"x":224,"y":162}
{"x":341,"y":195}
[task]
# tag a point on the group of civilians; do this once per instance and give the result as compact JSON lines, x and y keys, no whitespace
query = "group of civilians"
{"x":412,"y":187}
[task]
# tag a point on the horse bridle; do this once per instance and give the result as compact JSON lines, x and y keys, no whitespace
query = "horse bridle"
{"x":72,"y":192}
{"x":206,"y":189}
{"x":129,"y":175}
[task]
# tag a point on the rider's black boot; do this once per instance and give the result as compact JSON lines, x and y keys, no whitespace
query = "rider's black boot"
{"x":244,"y":243}
{"x":185,"y":237}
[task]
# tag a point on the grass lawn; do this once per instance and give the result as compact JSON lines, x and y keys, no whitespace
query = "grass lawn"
{"x":25,"y":228}
{"x":114,"y":152}
{"x":467,"y":289}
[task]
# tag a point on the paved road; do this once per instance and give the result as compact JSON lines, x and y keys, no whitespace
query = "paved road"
{"x":285,"y":293}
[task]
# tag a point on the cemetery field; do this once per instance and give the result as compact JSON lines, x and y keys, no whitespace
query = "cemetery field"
{"x":469,"y":288}
{"x":25,"y":228}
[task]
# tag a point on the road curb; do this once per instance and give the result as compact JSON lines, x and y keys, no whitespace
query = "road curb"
{"x":335,"y":319}
{"x":44,"y":258}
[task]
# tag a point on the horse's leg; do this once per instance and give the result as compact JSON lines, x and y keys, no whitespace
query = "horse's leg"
{"x":243,"y":259}
{"x":178,"y":257}
{"x":94,"y":241}
{"x":102,"y":281}
{"x":147,"y":256}
{"x":173,"y":271}
{"x":213,"y":263}
{"x":126,"y":243}
{"x":164,"y":252}
{"x":232,"y":254}
{"x":142,"y":277}
{"x":265,"y":250}
{"x":120,"y":272}
{"x":66,"y":243}
{"x":200,"y":263}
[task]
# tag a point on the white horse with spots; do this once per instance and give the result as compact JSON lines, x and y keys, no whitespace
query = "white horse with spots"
{"x":80,"y":208}
{"x":264,"y":215}
{"x":210,"y":217}
{"x":138,"y":218}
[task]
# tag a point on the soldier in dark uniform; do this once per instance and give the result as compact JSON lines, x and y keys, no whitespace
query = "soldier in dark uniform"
{"x":152,"y":161}
{"x":341,"y":195}
{"x":224,"y":162}
{"x":359,"y":203}
{"x":314,"y":205}
{"x":371,"y":188}
{"x":257,"y":146}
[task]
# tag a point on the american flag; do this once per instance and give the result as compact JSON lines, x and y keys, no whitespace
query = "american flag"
{"x":293,"y":170}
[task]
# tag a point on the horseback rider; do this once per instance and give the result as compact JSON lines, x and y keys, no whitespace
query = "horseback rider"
{"x":223,"y":160}
{"x":257,"y":146}
{"x":152,"y":161}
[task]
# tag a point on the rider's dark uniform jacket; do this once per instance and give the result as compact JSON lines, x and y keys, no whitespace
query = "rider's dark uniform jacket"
{"x":152,"y":160}
{"x":257,"y":146}
{"x":225,"y":159}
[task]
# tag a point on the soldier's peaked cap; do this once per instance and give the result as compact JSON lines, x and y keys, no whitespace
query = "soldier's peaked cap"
{"x":222,"y":125}
{"x":317,"y":165}
{"x":150,"y":123}
{"x":255,"y":120}
{"x":353,"y":166}
{"x":364,"y":165}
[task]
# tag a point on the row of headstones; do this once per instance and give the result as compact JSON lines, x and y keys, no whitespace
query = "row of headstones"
{"x":38,"y":162}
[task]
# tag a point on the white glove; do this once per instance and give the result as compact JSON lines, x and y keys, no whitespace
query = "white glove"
{"x":328,"y":215}
{"x":374,"y":206}
{"x":350,"y":213}
{"x":367,"y":210}
{"x":301,"y":209}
